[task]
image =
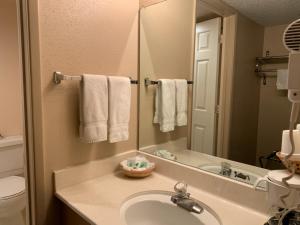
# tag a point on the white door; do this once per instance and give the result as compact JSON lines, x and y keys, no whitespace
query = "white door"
{"x":205,"y":92}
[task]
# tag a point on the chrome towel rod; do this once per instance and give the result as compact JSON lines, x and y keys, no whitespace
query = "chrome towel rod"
{"x":58,"y":77}
{"x":154,"y":82}
{"x":259,"y":71}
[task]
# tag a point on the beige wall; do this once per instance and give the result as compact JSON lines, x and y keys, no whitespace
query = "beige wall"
{"x":76,"y":37}
{"x":166,"y":51}
{"x":273,"y":40}
{"x":204,"y":12}
{"x":146,"y":3}
{"x":274,"y":106}
{"x":246,"y":89}
{"x":10,"y":71}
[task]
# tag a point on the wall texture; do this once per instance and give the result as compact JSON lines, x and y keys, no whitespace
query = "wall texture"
{"x":246,"y":89}
{"x":274,"y":106}
{"x":76,"y":37}
{"x":146,"y":3}
{"x":10,"y":71}
{"x":166,"y":43}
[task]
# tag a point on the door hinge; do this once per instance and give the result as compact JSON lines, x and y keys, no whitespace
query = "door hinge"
{"x":217,"y":109}
{"x":221,"y":39}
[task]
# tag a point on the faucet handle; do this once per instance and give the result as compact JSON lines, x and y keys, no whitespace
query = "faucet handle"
{"x":181,"y":188}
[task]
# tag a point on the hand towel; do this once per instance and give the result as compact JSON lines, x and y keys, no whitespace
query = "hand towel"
{"x":158,"y":104}
{"x":119,"y":108}
{"x":282,"y":79}
{"x":181,"y":102}
{"x":93,"y":108}
{"x":165,"y":105}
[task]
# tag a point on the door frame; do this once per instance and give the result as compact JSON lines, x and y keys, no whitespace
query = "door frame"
{"x":217,"y":70}
{"x":25,"y":58}
{"x":227,"y":69}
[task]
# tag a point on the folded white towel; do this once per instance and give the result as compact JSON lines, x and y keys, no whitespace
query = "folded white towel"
{"x":158,"y":107}
{"x":119,"y":108}
{"x":181,"y":102}
{"x":93,"y":108}
{"x":282,"y":79}
{"x":165,"y":105}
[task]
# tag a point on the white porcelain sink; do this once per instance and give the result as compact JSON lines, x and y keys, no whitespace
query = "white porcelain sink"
{"x":156,"y":208}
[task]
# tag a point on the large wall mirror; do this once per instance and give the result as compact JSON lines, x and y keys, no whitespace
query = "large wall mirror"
{"x":213,"y":83}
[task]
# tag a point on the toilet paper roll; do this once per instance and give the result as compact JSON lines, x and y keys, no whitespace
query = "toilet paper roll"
{"x":286,"y":147}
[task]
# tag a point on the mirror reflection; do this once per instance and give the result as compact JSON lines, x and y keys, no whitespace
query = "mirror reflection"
{"x":213,"y":90}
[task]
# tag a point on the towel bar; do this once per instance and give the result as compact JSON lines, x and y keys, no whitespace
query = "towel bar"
{"x":58,"y":77}
{"x":153,"y":82}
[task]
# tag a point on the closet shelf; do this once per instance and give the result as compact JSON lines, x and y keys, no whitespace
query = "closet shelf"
{"x":272,"y":60}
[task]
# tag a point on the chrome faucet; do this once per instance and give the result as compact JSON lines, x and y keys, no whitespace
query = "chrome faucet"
{"x":225,"y":169}
{"x":241,"y":175}
{"x":183,"y":200}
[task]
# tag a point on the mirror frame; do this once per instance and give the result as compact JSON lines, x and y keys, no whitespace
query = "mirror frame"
{"x":24,"y":41}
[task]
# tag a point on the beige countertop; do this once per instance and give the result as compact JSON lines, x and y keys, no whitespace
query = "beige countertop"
{"x":98,"y":200}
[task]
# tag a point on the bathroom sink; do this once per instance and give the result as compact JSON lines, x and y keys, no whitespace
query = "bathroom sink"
{"x":236,"y":174}
{"x":156,"y":208}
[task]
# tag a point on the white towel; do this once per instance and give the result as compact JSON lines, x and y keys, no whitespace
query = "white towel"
{"x":93,"y":108}
{"x":282,"y":79}
{"x":181,"y":102}
{"x":165,"y":105}
{"x":119,"y":108}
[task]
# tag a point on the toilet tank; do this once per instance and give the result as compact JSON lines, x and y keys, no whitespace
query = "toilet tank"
{"x":11,"y":156}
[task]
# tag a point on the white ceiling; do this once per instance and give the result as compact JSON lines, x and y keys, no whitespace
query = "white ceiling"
{"x":268,"y":12}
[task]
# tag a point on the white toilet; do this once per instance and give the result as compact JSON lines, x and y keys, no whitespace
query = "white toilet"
{"x":12,"y":186}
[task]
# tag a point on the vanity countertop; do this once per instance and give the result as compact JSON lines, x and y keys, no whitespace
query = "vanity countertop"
{"x":98,"y":200}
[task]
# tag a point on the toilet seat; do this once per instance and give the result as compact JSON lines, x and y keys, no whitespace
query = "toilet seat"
{"x":11,"y":187}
